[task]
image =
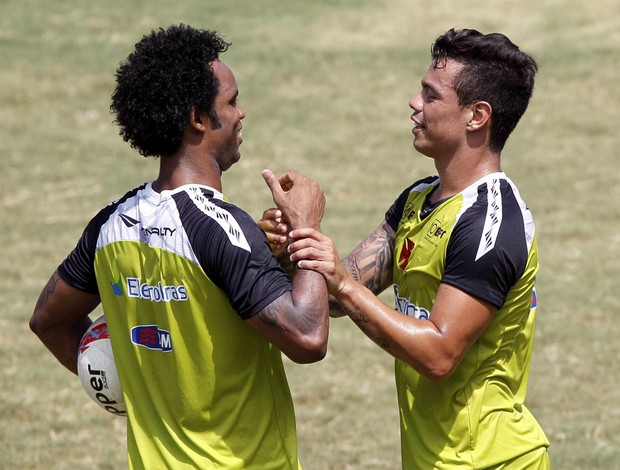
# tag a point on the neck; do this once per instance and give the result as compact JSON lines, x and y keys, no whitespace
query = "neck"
{"x":178,"y":170}
{"x":459,"y":172}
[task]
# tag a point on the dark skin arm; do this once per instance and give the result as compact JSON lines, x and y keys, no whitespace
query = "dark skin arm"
{"x":370,"y":263}
{"x":60,"y":319}
{"x":297,"y":322}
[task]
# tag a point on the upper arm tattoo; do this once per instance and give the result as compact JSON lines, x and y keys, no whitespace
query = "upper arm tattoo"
{"x":371,"y":262}
{"x":48,"y":290}
{"x":270,"y":314}
{"x":282,"y":313}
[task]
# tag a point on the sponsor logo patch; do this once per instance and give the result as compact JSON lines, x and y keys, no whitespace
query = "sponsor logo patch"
{"x":157,"y":293}
{"x":151,"y":337}
{"x":117,"y":287}
{"x":435,"y":230}
{"x":408,"y":211}
{"x":406,"y":307}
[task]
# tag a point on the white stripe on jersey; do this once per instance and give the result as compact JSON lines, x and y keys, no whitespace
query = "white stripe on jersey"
{"x":148,"y":217}
{"x":493,"y":218}
{"x":153,"y":218}
{"x":221,"y":216}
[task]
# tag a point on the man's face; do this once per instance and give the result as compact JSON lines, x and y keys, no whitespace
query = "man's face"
{"x":225,"y":141}
{"x":439,"y":120}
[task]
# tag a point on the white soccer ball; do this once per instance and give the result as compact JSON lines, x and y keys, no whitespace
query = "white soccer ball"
{"x":97,"y":369}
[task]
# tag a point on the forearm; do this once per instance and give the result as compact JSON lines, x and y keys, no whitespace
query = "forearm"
{"x":297,"y":322}
{"x":415,"y":342}
{"x":63,"y":342}
{"x":375,"y":276}
{"x":60,"y":318}
{"x":310,"y":303}
{"x":285,"y":262}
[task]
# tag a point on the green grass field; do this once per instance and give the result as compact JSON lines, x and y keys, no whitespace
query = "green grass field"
{"x":325,"y":85}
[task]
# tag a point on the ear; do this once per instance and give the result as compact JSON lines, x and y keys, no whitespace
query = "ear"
{"x":480,"y":115}
{"x":198,"y":120}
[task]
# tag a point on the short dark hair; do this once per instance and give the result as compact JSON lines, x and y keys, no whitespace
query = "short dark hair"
{"x":167,"y":75}
{"x":494,"y":70}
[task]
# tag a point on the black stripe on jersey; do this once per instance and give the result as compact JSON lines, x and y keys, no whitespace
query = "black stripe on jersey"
{"x":490,"y":277}
{"x":251,"y":279}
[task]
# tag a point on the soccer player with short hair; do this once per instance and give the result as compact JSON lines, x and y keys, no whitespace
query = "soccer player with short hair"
{"x":460,"y":249}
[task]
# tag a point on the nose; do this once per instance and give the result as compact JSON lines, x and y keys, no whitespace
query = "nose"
{"x":415,"y":103}
{"x":241,"y":112}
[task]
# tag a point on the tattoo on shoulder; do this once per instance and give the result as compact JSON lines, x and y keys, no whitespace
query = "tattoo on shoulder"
{"x":48,"y":290}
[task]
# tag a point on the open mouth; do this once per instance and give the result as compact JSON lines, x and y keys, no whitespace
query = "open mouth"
{"x":416,"y":125}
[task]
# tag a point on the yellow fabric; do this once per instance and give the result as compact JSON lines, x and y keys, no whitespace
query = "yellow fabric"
{"x":219,"y":397}
{"x":476,"y":418}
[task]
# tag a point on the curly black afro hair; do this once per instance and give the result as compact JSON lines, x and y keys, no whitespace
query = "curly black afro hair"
{"x":167,"y":75}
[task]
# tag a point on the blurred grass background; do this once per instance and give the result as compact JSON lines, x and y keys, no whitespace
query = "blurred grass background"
{"x":325,"y":85}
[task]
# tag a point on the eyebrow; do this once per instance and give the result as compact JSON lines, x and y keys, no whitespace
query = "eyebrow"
{"x":429,"y":86}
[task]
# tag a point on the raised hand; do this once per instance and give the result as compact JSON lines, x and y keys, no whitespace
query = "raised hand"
{"x":300,"y":199}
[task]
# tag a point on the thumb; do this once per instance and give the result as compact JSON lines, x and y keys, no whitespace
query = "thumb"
{"x":272,"y":182}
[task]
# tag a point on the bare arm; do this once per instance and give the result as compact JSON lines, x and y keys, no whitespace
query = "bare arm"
{"x":434,"y":347}
{"x":60,"y":318}
{"x":370,"y":263}
{"x":297,"y":322}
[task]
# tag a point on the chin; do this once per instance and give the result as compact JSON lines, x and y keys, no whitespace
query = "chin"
{"x":421,"y":149}
{"x":230,"y":163}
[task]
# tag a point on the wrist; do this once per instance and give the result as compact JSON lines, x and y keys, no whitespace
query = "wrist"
{"x":285,"y":262}
{"x":306,"y":224}
{"x":342,"y":289}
